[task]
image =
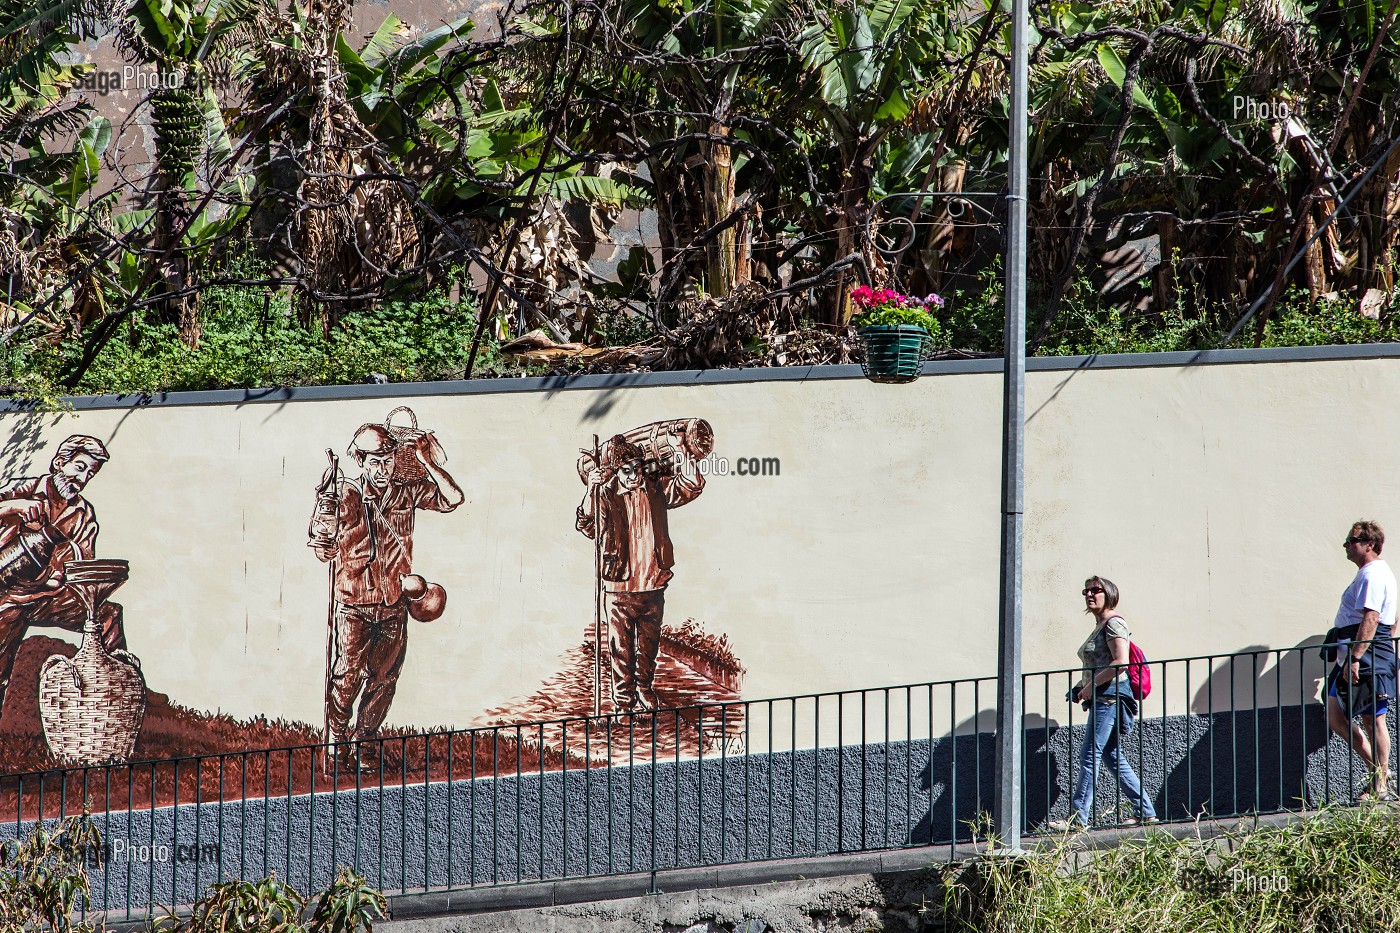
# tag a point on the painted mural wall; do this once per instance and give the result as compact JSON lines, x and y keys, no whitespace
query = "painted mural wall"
{"x":260,"y":574}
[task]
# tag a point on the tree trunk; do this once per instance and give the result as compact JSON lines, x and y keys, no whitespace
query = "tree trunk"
{"x":679,"y":214}
{"x":1164,"y":284}
{"x":327,"y":227}
{"x":853,"y":213}
{"x":1312,"y":262}
{"x":839,"y":306}
{"x":942,"y":235}
{"x":720,"y":264}
{"x":1387,"y":245}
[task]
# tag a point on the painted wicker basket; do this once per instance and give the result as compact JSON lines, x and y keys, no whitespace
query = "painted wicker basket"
{"x":407,"y":467}
{"x":92,"y":705}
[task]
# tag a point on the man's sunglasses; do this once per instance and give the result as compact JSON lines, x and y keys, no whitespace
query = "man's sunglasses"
{"x":1355,"y":539}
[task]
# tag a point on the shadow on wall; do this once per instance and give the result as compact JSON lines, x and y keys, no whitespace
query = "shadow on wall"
{"x":1251,"y":742}
{"x":1224,"y":758}
{"x":960,"y":781}
{"x":1256,"y":677}
{"x":1257,"y":707}
{"x":25,"y":439}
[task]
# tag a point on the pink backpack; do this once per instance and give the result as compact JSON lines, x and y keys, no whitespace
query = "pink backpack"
{"x":1139,"y":673}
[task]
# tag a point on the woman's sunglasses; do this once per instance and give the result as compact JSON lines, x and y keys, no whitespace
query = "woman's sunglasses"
{"x":1092,"y":591}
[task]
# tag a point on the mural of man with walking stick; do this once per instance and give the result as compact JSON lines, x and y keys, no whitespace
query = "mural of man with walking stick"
{"x":631,"y":488}
{"x":364,"y":529}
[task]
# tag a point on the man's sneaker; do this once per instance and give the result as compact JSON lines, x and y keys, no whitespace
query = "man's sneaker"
{"x":1071,"y":825}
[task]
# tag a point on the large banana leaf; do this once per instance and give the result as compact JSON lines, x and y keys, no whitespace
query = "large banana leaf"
{"x":411,"y":55}
{"x":34,"y":48}
{"x":87,"y":165}
{"x":888,"y":17}
{"x":602,"y":191}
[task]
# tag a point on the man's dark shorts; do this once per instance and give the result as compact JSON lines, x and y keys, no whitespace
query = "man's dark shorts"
{"x":1369,"y":696}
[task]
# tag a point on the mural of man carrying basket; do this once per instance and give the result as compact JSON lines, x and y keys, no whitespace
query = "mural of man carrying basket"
{"x":44,"y":523}
{"x":364,"y":529}
{"x":633,"y":481}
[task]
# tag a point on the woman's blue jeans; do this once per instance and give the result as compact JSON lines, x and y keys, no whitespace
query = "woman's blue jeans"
{"x":1111,"y":722}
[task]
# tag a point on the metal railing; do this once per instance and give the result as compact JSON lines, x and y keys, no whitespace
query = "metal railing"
{"x":1219,"y":735}
{"x":799,"y":776}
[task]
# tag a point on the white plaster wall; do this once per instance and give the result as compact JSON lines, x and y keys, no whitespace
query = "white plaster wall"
{"x":1216,"y":497}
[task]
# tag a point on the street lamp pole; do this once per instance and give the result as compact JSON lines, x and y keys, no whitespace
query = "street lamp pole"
{"x":1006,"y":805}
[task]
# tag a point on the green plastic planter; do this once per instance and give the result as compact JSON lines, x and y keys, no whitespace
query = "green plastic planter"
{"x":894,"y":352}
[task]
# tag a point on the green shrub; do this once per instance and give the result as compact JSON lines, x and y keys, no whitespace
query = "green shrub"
{"x":348,"y":905}
{"x":1299,"y":321}
{"x":43,"y":877}
{"x":252,"y":339}
{"x":44,"y":885}
{"x":1086,"y":325}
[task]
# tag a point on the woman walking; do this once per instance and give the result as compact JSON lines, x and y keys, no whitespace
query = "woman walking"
{"x":1104,"y":690}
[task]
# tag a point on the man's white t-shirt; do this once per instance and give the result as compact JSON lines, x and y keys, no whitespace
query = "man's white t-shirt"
{"x":1373,"y":587}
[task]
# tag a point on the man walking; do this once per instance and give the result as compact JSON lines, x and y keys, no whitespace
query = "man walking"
{"x":371,"y":551}
{"x":636,"y":557}
{"x":44,"y":523}
{"x":1363,"y":680}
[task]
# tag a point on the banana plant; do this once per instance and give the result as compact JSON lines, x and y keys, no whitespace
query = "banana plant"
{"x":1220,"y":181}
{"x":193,"y":44}
{"x":688,"y":83}
{"x":420,"y":108}
{"x":42,"y":176}
{"x":189,"y":42}
{"x":864,"y":64}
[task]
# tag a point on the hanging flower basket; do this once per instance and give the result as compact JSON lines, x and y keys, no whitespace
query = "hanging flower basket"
{"x":897,"y":331}
{"x":894,"y":352}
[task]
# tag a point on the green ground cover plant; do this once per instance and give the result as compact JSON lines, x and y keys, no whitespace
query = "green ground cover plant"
{"x":1331,"y":872}
{"x":252,"y":339}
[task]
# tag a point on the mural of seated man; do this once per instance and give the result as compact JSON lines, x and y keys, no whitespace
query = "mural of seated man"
{"x":44,"y":523}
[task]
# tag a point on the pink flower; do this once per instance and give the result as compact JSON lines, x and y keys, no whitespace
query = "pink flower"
{"x":934,"y":300}
{"x":862,"y":295}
